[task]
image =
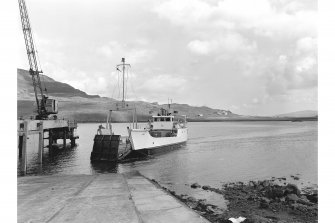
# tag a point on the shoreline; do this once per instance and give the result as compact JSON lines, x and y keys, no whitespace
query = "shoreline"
{"x":272,"y":200}
{"x":303,"y":119}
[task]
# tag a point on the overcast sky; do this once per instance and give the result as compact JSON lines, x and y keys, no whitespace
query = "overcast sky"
{"x":254,"y":57}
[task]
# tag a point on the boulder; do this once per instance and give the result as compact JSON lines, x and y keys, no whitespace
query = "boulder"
{"x":252,"y":184}
{"x":299,"y":207}
{"x":264,"y":202}
{"x":313,"y":197}
{"x":274,"y":192}
{"x":292,"y":189}
{"x":292,"y":197}
{"x":303,"y":200}
{"x":195,"y":185}
{"x":206,"y":187}
{"x":266,"y":183}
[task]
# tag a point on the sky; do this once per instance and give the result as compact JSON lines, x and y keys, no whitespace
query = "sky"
{"x":250,"y":57}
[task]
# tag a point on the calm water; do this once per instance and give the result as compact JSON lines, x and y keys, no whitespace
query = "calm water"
{"x":215,"y":153}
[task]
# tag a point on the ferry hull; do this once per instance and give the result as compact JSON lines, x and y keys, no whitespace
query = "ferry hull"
{"x":141,"y":140}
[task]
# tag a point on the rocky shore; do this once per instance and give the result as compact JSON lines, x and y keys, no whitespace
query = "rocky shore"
{"x":272,"y":200}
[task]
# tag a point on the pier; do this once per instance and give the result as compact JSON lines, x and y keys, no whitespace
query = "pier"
{"x":55,"y":129}
{"x":99,"y":198}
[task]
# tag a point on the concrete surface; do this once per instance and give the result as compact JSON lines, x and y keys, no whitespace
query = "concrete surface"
{"x":98,"y":198}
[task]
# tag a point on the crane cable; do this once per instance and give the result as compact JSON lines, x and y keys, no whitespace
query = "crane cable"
{"x":38,"y":60}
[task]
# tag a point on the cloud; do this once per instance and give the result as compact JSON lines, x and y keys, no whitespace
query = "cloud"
{"x":288,"y":73}
{"x":307,"y":44}
{"x":200,"y":47}
{"x":164,"y":83}
{"x":229,"y":43}
{"x":262,"y":17}
{"x":134,"y":54}
{"x":220,"y":53}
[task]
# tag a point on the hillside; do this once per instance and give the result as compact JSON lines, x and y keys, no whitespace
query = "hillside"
{"x":306,"y":113}
{"x":54,"y":88}
{"x":76,"y":104}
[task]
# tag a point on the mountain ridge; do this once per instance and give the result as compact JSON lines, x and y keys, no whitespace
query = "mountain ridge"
{"x":76,"y":104}
{"x":303,"y":113}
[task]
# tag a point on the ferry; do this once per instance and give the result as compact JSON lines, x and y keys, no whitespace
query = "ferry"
{"x":164,"y":131}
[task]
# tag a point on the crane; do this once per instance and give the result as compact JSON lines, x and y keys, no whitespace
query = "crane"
{"x":45,"y":106}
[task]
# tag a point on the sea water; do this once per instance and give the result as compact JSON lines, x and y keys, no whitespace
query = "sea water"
{"x":216,"y":153}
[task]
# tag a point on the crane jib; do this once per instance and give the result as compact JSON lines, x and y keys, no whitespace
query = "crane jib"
{"x":45,"y":106}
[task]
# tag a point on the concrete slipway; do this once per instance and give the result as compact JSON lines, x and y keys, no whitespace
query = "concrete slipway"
{"x":98,"y":198}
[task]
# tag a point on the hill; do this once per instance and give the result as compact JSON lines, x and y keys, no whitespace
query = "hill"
{"x":76,"y":104}
{"x":54,"y":88}
{"x":305,"y":113}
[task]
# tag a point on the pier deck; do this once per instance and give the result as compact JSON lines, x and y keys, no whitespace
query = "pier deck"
{"x":98,"y":198}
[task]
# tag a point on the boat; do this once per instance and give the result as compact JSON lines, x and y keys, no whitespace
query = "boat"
{"x":164,"y":131}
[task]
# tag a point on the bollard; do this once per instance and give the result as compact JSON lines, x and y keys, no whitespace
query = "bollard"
{"x":40,"y":142}
{"x":50,"y":139}
{"x":64,"y":138}
{"x":24,"y":148}
{"x":20,"y":146}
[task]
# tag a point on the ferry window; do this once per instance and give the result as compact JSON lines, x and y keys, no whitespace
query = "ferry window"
{"x":155,"y":119}
{"x":162,"y":120}
{"x":168,"y":119}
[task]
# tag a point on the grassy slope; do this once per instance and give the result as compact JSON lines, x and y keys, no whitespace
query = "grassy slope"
{"x":76,"y":104}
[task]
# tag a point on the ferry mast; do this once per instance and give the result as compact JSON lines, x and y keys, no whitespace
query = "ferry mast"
{"x":123,"y":65}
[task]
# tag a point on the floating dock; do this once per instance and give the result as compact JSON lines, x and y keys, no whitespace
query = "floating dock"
{"x":99,"y":198}
{"x":55,"y":129}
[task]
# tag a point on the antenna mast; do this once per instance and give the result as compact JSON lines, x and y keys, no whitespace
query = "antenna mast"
{"x":123,"y":60}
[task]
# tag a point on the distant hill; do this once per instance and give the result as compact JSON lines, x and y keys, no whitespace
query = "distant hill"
{"x":54,"y":88}
{"x":76,"y":104}
{"x":306,"y":113}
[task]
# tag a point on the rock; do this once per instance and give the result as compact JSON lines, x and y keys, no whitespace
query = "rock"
{"x":259,"y":187}
{"x":292,"y":197}
{"x":292,"y":189}
{"x":206,"y":187}
{"x":210,"y":209}
{"x":191,"y":199}
{"x":295,"y":177}
{"x":237,"y":220}
{"x":299,"y":207}
{"x":304,"y":201}
{"x":264,"y":202}
{"x":266,"y":183}
{"x":195,"y":185}
{"x":251,"y":197}
{"x":252,"y":184}
{"x":274,"y":192}
{"x":312,"y":197}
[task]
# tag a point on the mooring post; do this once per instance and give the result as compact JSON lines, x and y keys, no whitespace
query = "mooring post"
{"x":20,"y":145}
{"x":50,"y":139}
{"x":73,"y":139}
{"x":24,"y":148}
{"x":40,"y":142}
{"x":64,"y":138}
